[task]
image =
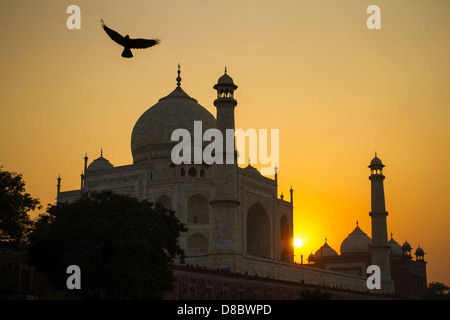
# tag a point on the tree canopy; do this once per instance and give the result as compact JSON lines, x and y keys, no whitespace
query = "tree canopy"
{"x":15,"y":203}
{"x":123,"y":247}
{"x":438,"y":290}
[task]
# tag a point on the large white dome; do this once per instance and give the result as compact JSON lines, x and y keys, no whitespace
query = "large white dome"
{"x":396,"y":249}
{"x":356,"y":242}
{"x":99,"y":164}
{"x":325,"y":251}
{"x":154,"y":128}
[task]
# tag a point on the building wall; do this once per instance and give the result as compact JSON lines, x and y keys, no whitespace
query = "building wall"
{"x":267,"y":268}
{"x":16,"y":276}
{"x":189,"y":191}
{"x":196,"y":283}
{"x":410,"y":277}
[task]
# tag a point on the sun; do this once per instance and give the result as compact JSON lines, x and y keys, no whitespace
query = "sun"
{"x":298,"y":242}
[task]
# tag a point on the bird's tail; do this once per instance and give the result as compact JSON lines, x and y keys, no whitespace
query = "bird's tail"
{"x":127,"y":53}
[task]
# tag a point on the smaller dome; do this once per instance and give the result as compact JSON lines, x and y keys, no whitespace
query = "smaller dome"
{"x":419,"y":251}
{"x":406,"y":250}
{"x":396,"y":249}
{"x":325,"y":251}
{"x":406,"y":246}
{"x":99,"y":164}
{"x":376,"y":162}
{"x":357,"y":241}
{"x":225,"y":79}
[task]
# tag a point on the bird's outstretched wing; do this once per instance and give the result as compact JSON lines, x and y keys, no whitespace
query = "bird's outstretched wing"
{"x":143,"y":43}
{"x":114,"y":35}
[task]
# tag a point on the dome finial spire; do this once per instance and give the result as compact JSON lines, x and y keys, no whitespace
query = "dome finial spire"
{"x":225,"y":69}
{"x":179,"y":78}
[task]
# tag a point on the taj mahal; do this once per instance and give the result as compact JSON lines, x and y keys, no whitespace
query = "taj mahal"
{"x":235,"y":218}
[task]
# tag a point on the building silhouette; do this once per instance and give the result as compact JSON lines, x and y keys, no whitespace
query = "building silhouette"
{"x":236,"y":222}
{"x":230,"y":212}
{"x":399,"y":272}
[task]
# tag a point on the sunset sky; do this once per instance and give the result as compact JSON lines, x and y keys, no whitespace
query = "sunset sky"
{"x":336,"y":90}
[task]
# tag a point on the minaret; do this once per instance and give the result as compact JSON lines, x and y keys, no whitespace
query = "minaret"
{"x":85,"y":163}
{"x":58,"y":188}
{"x":83,"y":174}
{"x":380,"y":247}
{"x":82,"y":180}
{"x":179,"y":78}
{"x":225,"y":105}
{"x":226,"y":240}
{"x":276,"y":181}
{"x":292,"y":196}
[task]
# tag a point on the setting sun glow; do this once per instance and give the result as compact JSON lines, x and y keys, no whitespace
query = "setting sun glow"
{"x":298,"y":242}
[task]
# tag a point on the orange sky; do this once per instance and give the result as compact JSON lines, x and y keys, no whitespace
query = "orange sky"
{"x":337,"y":91}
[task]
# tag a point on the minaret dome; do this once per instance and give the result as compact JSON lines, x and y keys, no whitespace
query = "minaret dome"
{"x":225,"y":87}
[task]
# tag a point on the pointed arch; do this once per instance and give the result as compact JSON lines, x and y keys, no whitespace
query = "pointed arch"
{"x":258,"y":231}
{"x":192,"y":172}
{"x":285,"y":233}
{"x":198,"y":209}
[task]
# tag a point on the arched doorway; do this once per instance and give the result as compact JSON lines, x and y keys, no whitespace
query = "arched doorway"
{"x":198,"y":209}
{"x":285,"y":233}
{"x":258,"y":232}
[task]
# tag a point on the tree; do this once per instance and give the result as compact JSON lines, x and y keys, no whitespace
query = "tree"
{"x":15,"y":203}
{"x":438,"y":290}
{"x":123,"y":247}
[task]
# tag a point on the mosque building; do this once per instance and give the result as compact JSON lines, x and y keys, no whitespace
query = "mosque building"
{"x":235,"y":219}
{"x":228,"y":210}
{"x":358,"y":250}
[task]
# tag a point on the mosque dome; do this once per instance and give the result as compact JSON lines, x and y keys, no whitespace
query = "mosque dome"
{"x":225,"y":79}
{"x":376,"y":162}
{"x":406,"y":246}
{"x":419,"y":251}
{"x":99,"y":164}
{"x":154,"y":128}
{"x":357,"y":241}
{"x":225,"y":87}
{"x":325,"y":251}
{"x":396,"y":249}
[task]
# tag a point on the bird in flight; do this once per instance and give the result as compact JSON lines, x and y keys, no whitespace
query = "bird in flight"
{"x":127,"y":42}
